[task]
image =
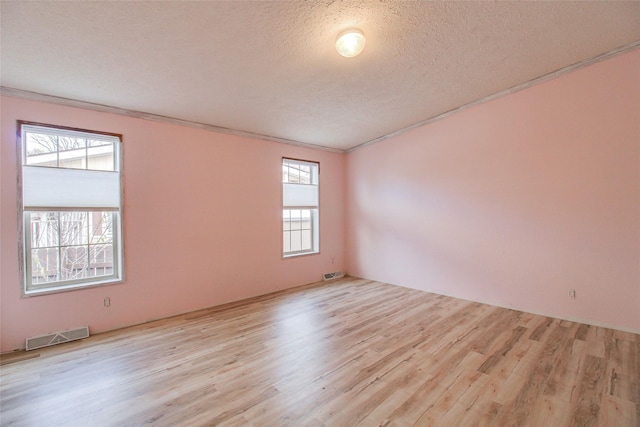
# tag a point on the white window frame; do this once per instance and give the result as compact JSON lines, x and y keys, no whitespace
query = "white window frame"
{"x":35,"y":196}
{"x":298,"y":196}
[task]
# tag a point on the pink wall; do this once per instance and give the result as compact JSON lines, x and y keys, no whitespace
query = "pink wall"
{"x":202,"y":224}
{"x":513,"y":202}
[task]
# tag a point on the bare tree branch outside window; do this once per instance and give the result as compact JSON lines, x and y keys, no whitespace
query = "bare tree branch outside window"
{"x":71,"y":245}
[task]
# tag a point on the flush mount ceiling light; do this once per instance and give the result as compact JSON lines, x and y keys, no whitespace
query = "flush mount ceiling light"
{"x":350,"y":43}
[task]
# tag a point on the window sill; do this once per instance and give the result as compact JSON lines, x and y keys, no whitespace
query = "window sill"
{"x":70,"y":288}
{"x":301,"y":254}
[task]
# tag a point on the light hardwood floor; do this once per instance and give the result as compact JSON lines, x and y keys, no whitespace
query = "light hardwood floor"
{"x":347,"y":353}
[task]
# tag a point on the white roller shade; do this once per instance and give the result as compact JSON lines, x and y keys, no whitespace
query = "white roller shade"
{"x":299,"y":195}
{"x":69,"y":188}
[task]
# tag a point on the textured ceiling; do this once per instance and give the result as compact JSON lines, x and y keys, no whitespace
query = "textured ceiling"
{"x":270,"y":68}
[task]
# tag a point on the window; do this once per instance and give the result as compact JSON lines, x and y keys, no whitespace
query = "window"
{"x":300,"y":230}
{"x":71,"y":208}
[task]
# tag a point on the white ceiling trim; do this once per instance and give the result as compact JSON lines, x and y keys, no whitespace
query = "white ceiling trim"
{"x":34,"y":96}
{"x":67,"y":102}
{"x":552,"y":75}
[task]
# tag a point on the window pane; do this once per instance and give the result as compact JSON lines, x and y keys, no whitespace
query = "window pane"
{"x":305,"y":218}
{"x":286,"y":220}
{"x":295,"y":220}
{"x":73,"y":159}
{"x":73,"y":153}
{"x":100,"y":156}
{"x":73,"y":262}
{"x":44,"y":229}
{"x":286,"y":241}
{"x":100,"y":260}
{"x":100,"y":227}
{"x":69,"y":152}
{"x":67,"y":143}
{"x":294,"y":174}
{"x":306,"y":239}
{"x":73,"y":228}
{"x":71,"y":246}
{"x":296,"y":241}
{"x":305,"y":174}
{"x":44,"y":265}
{"x":41,"y":149}
{"x":297,"y":230}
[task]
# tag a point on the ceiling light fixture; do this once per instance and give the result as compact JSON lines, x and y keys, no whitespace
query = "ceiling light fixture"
{"x":350,"y":43}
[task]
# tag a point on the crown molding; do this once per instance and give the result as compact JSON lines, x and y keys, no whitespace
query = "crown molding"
{"x":517,"y":88}
{"x":35,"y":96}
{"x":67,"y":102}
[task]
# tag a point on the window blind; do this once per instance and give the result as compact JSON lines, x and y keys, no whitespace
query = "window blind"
{"x":45,"y":187}
{"x":300,"y":195}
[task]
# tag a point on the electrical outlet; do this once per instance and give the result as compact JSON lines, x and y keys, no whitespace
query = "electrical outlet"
{"x":107,"y":302}
{"x":572,"y":293}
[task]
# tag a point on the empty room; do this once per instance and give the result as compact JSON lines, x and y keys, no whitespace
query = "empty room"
{"x":319,"y":213}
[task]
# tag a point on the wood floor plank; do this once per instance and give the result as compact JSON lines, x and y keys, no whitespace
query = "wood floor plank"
{"x":489,"y":364}
{"x":589,"y":392}
{"x":521,"y":408}
{"x":351,"y":352}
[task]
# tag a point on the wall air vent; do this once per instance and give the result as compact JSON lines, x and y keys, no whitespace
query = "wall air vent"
{"x":57,"y":338}
{"x":331,"y":276}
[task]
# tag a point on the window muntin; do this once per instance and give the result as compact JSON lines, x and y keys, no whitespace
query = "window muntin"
{"x":71,"y":208}
{"x":68,"y":150}
{"x":70,"y":246}
{"x":297,"y":225}
{"x":294,"y":172}
{"x":300,"y":210}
